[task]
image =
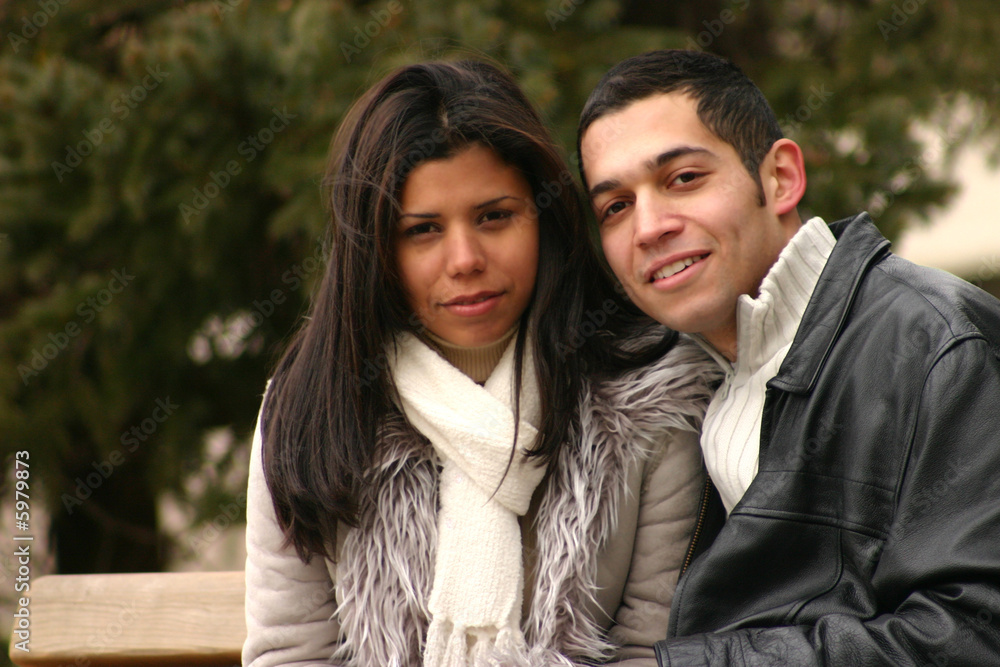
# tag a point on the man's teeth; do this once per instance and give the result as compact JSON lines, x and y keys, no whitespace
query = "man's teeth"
{"x":679,"y":265}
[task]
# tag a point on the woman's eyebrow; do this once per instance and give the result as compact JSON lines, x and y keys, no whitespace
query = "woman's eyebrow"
{"x":477,"y":207}
{"x":496,"y":200}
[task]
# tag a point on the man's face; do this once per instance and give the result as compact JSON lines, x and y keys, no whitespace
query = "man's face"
{"x":680,"y":218}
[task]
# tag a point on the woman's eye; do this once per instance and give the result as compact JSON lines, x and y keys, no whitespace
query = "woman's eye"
{"x":496,"y":215}
{"x":419,"y":229}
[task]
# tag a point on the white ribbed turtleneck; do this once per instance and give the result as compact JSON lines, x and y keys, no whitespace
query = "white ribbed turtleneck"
{"x":765,"y":328}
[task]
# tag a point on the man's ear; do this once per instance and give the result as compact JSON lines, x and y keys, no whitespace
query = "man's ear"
{"x":783,"y":174}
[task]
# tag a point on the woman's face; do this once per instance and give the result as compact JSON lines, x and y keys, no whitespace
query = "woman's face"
{"x":467,"y":246}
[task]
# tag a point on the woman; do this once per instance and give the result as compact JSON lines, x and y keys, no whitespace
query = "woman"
{"x":391,"y":518}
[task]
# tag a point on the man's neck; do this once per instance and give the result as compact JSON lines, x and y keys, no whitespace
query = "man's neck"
{"x":723,"y":341}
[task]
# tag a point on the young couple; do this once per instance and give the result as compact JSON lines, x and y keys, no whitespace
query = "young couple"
{"x":524,"y":483}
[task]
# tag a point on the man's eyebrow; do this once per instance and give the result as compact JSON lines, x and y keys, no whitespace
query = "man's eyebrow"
{"x":603,"y":187}
{"x":674,"y":153}
{"x":651,"y":165}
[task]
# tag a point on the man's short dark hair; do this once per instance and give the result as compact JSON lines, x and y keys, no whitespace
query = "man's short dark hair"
{"x":729,"y":104}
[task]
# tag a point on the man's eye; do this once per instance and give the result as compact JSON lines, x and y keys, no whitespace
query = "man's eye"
{"x":687,"y":177}
{"x":615,"y":207}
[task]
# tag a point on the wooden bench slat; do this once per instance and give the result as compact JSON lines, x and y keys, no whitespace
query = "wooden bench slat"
{"x":175,"y":618}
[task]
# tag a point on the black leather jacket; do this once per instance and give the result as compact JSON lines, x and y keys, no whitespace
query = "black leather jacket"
{"x":871,"y":533}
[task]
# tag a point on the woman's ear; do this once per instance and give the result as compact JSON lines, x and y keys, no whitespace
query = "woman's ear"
{"x":784,"y":176}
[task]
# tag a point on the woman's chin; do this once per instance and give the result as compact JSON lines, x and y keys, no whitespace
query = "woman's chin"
{"x":473,"y":336}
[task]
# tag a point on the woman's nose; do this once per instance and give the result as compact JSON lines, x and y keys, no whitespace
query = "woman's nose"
{"x":465,"y":252}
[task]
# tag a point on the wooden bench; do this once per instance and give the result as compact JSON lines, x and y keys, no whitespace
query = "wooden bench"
{"x":163,"y":619}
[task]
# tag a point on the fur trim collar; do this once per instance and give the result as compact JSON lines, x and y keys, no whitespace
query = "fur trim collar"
{"x":385,"y":567}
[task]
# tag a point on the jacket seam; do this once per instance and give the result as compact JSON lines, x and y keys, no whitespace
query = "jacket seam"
{"x":793,"y":615}
{"x":814,"y":520}
{"x":840,"y":478}
{"x":951,"y":347}
{"x":923,"y":297}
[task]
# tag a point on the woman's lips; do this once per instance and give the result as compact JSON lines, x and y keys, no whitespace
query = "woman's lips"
{"x":472,"y":305}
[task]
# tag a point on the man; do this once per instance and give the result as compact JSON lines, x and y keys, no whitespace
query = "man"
{"x":855,"y":440}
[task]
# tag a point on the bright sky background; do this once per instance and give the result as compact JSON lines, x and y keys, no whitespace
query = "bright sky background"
{"x":965,"y":238}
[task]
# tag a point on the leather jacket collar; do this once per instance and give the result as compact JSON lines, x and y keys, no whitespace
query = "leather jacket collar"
{"x":831,"y":302}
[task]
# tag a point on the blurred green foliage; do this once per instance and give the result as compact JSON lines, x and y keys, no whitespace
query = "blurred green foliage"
{"x":160,"y":216}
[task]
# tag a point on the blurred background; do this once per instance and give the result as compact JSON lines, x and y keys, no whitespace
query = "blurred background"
{"x":161,"y":226}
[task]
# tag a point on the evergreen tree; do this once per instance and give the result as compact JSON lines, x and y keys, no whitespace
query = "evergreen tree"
{"x":160,"y":219}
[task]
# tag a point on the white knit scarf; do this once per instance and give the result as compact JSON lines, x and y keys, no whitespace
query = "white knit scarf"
{"x":475,"y":600}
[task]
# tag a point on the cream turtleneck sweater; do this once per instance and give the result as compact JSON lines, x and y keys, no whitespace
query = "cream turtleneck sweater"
{"x":765,"y":328}
{"x":476,"y":362}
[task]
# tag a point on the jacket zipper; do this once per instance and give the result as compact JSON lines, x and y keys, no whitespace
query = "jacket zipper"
{"x":698,"y":526}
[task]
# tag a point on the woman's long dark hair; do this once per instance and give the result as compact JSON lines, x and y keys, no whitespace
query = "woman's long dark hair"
{"x":331,"y":391}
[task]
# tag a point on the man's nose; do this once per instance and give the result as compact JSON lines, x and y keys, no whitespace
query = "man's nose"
{"x":654,"y":219}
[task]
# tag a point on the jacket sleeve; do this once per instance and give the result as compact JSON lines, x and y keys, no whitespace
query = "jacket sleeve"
{"x":289,"y":604}
{"x":671,"y":488}
{"x":940,"y":562}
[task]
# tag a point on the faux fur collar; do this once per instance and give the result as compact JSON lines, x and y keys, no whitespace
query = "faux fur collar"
{"x":385,"y":567}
